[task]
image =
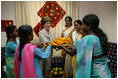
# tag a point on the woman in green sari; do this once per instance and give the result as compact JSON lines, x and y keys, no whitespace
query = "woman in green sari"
{"x":10,"y":49}
{"x":91,"y":50}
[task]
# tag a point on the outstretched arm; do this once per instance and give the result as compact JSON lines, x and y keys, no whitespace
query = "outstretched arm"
{"x":41,"y":54}
{"x":70,"y":49}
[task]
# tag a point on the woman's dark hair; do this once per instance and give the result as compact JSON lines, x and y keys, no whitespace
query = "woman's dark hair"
{"x":44,"y":20}
{"x":9,"y":30}
{"x":68,"y":18}
{"x":78,"y":21}
{"x":92,"y":21}
{"x":24,"y":31}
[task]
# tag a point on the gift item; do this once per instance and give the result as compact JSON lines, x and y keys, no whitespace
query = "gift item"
{"x":62,"y":41}
{"x":57,"y":53}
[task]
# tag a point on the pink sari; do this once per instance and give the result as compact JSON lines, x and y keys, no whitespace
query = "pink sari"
{"x":27,"y":62}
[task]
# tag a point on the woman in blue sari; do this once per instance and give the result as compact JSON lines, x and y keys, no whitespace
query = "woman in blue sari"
{"x":28,"y":56}
{"x":91,"y":50}
{"x":10,"y":49}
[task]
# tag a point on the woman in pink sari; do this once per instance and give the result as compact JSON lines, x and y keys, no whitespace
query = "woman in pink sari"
{"x":28,"y":56}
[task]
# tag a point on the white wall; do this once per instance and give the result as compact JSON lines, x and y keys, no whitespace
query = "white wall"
{"x":7,"y":13}
{"x":107,"y":13}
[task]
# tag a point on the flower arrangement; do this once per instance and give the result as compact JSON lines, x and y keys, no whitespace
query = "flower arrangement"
{"x":60,"y":41}
{"x":57,"y":72}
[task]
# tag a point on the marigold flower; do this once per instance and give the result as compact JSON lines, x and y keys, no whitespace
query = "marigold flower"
{"x":55,"y":73}
{"x":60,"y":68}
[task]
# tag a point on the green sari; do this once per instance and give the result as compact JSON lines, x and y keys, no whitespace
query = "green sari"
{"x":10,"y":49}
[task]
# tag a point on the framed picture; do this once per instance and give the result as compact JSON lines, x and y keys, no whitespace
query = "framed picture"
{"x":5,"y":23}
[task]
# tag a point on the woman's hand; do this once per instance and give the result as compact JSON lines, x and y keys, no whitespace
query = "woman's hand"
{"x":40,"y":45}
{"x":60,"y":46}
{"x":51,"y":44}
{"x":57,"y":46}
{"x":70,"y":46}
{"x":70,"y":49}
{"x":62,"y":35}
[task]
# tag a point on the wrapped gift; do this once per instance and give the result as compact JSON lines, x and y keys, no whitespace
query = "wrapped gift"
{"x":62,"y":41}
{"x":57,"y":53}
{"x":59,"y":41}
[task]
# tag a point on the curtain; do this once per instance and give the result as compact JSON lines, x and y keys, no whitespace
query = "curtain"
{"x":26,"y":13}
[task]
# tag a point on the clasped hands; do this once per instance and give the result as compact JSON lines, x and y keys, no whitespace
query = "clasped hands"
{"x":70,"y":49}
